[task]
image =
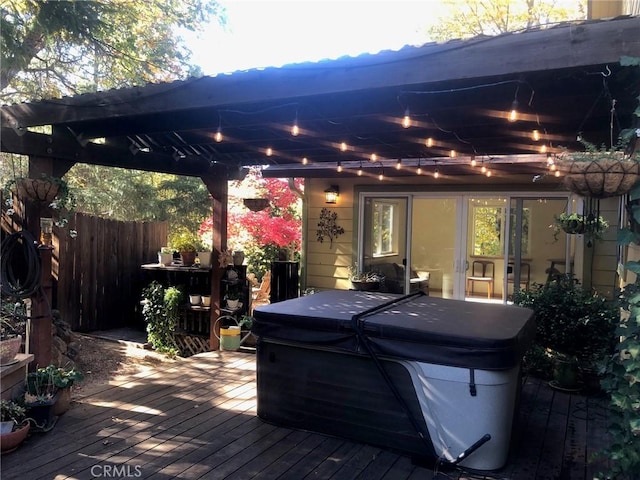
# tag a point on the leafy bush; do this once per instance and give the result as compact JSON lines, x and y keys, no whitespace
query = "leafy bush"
{"x":570,"y":320}
{"x":160,"y":311}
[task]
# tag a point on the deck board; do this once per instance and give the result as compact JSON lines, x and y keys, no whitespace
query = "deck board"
{"x":197,"y":420}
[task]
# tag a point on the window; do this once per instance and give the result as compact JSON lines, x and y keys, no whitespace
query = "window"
{"x":384,"y":228}
{"x":488,"y":231}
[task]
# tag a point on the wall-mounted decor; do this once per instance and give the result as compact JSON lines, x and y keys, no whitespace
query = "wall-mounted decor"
{"x":327,"y":226}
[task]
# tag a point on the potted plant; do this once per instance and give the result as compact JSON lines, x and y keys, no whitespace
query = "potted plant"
{"x":165,"y":256}
{"x":45,"y":189}
{"x":364,"y":280}
{"x":590,"y":226}
{"x":600,"y":172}
{"x":40,"y":397}
{"x":63,"y":379}
{"x":14,"y":426}
{"x":187,"y":244}
{"x":12,"y":325}
{"x":232,"y":296}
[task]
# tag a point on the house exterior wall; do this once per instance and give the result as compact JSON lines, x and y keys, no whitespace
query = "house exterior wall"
{"x":326,"y":265}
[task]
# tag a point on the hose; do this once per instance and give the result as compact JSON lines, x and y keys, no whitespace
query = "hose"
{"x":20,"y":266}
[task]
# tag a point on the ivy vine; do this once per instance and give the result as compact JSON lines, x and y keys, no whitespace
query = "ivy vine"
{"x":327,"y":226}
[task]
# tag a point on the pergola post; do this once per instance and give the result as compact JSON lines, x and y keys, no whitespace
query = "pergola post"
{"x":219,"y":189}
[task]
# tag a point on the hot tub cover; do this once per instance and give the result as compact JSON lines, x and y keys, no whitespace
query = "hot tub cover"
{"x":416,"y":327}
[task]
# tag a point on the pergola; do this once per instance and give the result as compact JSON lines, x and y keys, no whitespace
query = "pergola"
{"x":563,"y":81}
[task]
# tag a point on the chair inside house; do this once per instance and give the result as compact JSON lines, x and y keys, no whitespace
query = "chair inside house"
{"x":260,"y":295}
{"x":525,"y":275}
{"x":482,"y":271}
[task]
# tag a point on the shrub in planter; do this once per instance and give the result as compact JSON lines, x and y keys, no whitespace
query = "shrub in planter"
{"x":571,"y":322}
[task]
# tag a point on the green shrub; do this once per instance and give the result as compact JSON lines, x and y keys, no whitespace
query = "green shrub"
{"x":569,"y":320}
{"x":160,"y":311}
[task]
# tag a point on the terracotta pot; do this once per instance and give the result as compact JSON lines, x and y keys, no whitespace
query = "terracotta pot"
{"x":188,"y":258}
{"x":9,"y":348}
{"x":10,"y":441}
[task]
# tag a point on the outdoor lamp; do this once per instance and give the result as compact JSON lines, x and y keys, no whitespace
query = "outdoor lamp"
{"x":46,"y":230}
{"x":331,"y":194}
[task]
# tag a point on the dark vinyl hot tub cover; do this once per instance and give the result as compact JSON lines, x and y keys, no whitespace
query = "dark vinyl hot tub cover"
{"x":413,"y":327}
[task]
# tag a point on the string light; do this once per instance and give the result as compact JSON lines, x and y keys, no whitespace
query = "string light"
{"x":488,"y":174}
{"x":406,"y":120}
{"x":218,"y":135}
{"x":557,"y":173}
{"x":295,"y":130}
{"x":535,"y":135}
{"x":381,"y":176}
{"x":360,"y":170}
{"x":543,"y":149}
{"x":473,"y":161}
{"x":339,"y":167}
{"x":269,"y":152}
{"x":513,"y":114}
{"x":436,"y":174}
{"x":484,"y":168}
{"x":452,"y":153}
{"x":343,"y":147}
{"x":374,"y":157}
{"x":419,"y":170}
{"x":398,"y":164}
{"x":429,"y":142}
{"x":305,"y":160}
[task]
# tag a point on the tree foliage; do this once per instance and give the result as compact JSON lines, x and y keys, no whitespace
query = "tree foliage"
{"x":52,"y":48}
{"x":493,"y":17}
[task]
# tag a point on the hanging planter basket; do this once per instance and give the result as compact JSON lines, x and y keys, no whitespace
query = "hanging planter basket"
{"x":256,"y":204}
{"x":605,"y":176}
{"x":37,"y":189}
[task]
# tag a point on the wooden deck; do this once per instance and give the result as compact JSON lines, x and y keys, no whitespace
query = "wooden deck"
{"x":197,"y":419}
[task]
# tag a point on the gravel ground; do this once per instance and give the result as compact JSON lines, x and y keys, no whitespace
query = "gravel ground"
{"x":103,"y":360}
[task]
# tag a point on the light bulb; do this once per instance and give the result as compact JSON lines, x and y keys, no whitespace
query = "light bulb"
{"x":343,"y":147}
{"x":543,"y":149}
{"x":218,"y":136}
{"x":269,"y":152}
{"x":419,"y":170}
{"x":535,"y":135}
{"x":339,"y":167}
{"x":429,"y":142}
{"x":305,"y":160}
{"x":398,"y":164}
{"x":452,"y":153}
{"x":557,"y":173}
{"x":295,"y":130}
{"x":483,"y":169}
{"x":374,"y":157}
{"x":513,"y":114}
{"x":381,"y":176}
{"x":436,"y":174}
{"x":488,"y":174}
{"x":473,"y":162}
{"x":360,"y":171}
{"x":406,"y":120}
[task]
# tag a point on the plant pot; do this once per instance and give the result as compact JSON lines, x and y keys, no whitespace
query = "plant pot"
{"x":165,"y":258}
{"x":10,"y":441}
{"x":188,"y":258}
{"x":565,"y":373}
{"x":365,"y":286}
{"x":9,"y":348}
{"x":195,"y":299}
{"x":605,"y":176}
{"x":42,"y":414}
{"x":238,"y":257}
{"x":206,"y":300}
{"x":233,"y":304}
{"x":205,"y":259}
{"x":37,"y":189}
{"x":63,"y":403}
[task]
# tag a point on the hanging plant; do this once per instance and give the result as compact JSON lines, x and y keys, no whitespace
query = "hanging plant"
{"x":590,"y":226}
{"x":327,"y":226}
{"x":599,"y":172}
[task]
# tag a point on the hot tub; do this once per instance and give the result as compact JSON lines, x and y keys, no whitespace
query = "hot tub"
{"x":433,"y":378}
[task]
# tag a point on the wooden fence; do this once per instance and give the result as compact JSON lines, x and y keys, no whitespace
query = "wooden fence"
{"x":97,"y":274}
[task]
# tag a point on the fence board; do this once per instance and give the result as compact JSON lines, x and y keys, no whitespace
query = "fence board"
{"x":98,"y":271}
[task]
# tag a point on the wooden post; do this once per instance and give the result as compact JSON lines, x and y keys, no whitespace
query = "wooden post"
{"x":41,"y":324}
{"x":217,"y":185}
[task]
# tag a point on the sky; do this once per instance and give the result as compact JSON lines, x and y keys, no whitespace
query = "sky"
{"x":262,"y":33}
